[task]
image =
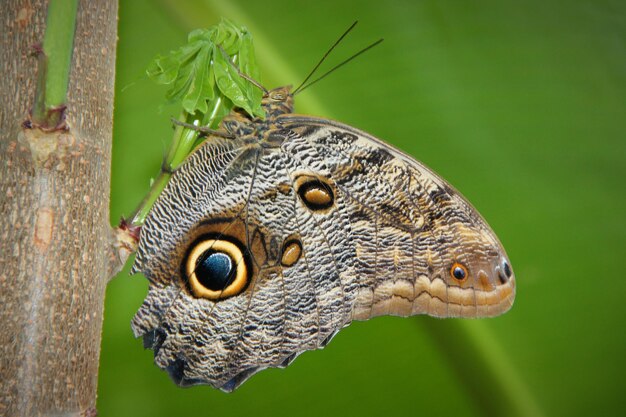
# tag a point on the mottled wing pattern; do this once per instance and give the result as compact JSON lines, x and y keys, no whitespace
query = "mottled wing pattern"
{"x":409,"y":229}
{"x":388,"y":244}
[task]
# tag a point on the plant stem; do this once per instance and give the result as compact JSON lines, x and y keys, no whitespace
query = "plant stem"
{"x":54,"y":194}
{"x":55,"y":63}
{"x":183,"y":143}
{"x":480,"y":363}
{"x":139,"y":216}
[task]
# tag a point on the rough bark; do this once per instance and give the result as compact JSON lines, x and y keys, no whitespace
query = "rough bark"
{"x":55,"y":252}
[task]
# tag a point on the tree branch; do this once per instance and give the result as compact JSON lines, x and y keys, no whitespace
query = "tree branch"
{"x":54,"y":224}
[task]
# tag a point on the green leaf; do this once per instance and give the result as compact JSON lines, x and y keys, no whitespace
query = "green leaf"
{"x":198,"y":73}
{"x":227,"y":83}
{"x":200,"y":89}
{"x":163,"y":70}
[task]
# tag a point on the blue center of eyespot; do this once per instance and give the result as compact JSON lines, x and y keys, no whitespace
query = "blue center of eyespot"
{"x":459,"y":273}
{"x":215,"y":270}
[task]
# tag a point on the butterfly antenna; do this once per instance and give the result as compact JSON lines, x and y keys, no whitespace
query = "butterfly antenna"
{"x":325,"y":56}
{"x":242,"y":75}
{"x":300,"y":89}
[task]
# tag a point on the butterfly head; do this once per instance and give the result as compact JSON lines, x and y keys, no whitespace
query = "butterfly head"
{"x":278,"y":101}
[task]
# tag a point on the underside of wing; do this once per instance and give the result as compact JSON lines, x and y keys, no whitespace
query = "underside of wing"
{"x":246,"y":202}
{"x":261,"y":248}
{"x":421,"y":248}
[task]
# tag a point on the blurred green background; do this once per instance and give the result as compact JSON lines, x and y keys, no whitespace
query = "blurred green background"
{"x":520,"y":104}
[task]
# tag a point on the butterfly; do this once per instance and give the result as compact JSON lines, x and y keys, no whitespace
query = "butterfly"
{"x":278,"y":232}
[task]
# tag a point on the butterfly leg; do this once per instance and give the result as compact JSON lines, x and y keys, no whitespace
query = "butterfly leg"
{"x":203,"y":130}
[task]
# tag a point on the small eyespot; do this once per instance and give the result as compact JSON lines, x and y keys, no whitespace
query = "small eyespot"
{"x":458,"y":271}
{"x":216,"y":269}
{"x":504,"y":272}
{"x":316,"y":194}
{"x":291,"y":252}
{"x":507,"y":269}
{"x":501,"y":276}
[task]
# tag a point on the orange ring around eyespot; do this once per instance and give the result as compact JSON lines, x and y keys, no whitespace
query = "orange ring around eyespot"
{"x":229,"y":249}
{"x":458,"y":265}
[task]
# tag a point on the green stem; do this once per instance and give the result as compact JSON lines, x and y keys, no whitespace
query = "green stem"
{"x":214,"y":113}
{"x":55,"y":63}
{"x":139,"y":216}
{"x":183,"y":143}
{"x":480,"y":362}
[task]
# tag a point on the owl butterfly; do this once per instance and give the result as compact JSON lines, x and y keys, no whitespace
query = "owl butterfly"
{"x":277,"y":233}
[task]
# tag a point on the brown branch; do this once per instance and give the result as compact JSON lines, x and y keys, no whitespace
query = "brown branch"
{"x":55,"y":252}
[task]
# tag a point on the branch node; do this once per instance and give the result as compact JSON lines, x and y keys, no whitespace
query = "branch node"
{"x":47,"y":148}
{"x":90,"y":412}
{"x":57,"y":114}
{"x":124,"y":240}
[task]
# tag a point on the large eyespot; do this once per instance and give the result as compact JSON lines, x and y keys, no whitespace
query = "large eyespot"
{"x":458,"y":272}
{"x":216,"y":268}
{"x":316,"y":194}
{"x":291,"y":252}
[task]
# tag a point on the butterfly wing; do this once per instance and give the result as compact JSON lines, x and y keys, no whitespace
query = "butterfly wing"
{"x":328,"y":225}
{"x":410,"y":229}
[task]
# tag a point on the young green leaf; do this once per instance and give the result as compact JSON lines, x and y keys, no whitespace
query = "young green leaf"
{"x":201,"y":76}
{"x":199,"y":73}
